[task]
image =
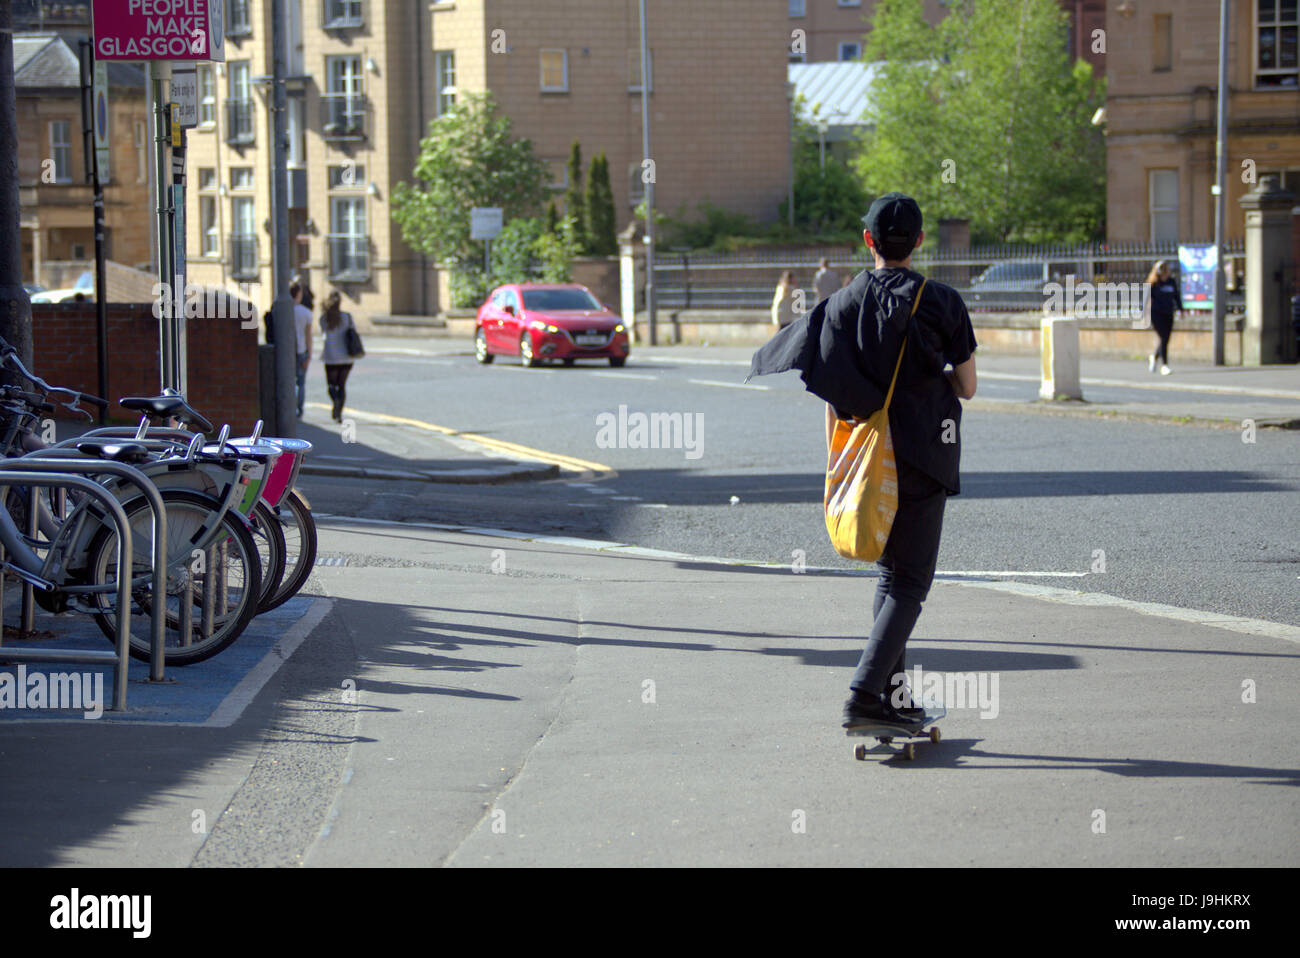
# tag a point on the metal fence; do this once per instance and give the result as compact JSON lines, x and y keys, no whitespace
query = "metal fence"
{"x":989,"y":278}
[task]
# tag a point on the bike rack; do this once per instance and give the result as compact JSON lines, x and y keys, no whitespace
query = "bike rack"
{"x":125,"y":558}
{"x":35,"y":462}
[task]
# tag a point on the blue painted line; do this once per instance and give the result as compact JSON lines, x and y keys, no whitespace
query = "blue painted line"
{"x":189,"y":696}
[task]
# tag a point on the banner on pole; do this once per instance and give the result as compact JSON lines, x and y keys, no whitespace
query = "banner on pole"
{"x":159,"y":30}
{"x":99,"y":119}
{"x":1197,"y":264}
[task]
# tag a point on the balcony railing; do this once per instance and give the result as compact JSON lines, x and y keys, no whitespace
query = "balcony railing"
{"x":343,"y":116}
{"x":342,"y":14}
{"x":242,"y":256}
{"x":239,"y":122}
{"x":349,"y":258}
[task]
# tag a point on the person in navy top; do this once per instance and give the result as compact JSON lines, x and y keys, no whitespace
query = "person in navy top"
{"x":1166,"y":299}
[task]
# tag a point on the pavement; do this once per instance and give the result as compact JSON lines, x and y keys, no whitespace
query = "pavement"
{"x":469,"y":696}
{"x":471,"y":699}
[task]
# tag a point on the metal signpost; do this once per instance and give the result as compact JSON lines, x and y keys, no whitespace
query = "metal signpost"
{"x":485,"y":223}
{"x":178,"y":30}
{"x":94,"y":119}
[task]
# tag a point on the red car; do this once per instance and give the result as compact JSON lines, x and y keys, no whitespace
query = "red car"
{"x":541,"y":321}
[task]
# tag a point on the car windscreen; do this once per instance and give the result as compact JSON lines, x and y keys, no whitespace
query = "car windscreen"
{"x":548,"y":300}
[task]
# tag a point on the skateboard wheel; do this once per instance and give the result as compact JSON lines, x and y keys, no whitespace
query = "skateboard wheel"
{"x":859,"y":752}
{"x":934,"y":733}
{"x":909,"y":751}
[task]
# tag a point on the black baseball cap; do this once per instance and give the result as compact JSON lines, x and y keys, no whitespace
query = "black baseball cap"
{"x":894,"y":222}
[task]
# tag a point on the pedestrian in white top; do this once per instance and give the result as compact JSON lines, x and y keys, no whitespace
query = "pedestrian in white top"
{"x":302,"y":329}
{"x":825,"y":282}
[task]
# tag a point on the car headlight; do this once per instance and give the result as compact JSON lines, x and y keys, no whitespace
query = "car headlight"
{"x":620,"y":328}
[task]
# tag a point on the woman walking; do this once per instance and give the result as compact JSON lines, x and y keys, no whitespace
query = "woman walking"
{"x":338,"y":363}
{"x":1166,"y":298}
{"x":783,"y":308}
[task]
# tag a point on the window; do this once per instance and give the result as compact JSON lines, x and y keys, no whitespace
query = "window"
{"x":349,"y":245}
{"x":342,"y":13}
{"x":850,"y":3}
{"x":1162,"y":43}
{"x":1275,"y":43}
{"x":207,"y":178}
{"x":239,"y":104}
{"x":344,"y":99}
{"x":241,"y":177}
{"x":850,"y":51}
{"x":1162,"y":191}
{"x":634,"y":70}
{"x":209,"y":238}
{"x":61,"y":150}
{"x":445,"y":67}
{"x":238,"y":21}
{"x":555,"y":71}
{"x":1288,"y":180}
{"x":207,"y":96}
{"x":347,"y":176}
{"x":796,"y":8}
{"x":243,"y":238}
{"x":558,"y":170}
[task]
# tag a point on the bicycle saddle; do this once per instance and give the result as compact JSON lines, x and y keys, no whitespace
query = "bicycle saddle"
{"x":128,"y":452}
{"x":165,"y":406}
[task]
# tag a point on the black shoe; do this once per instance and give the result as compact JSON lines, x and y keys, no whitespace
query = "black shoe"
{"x":863,"y":708}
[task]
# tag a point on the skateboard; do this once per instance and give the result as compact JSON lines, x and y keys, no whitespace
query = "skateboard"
{"x":885,"y":735}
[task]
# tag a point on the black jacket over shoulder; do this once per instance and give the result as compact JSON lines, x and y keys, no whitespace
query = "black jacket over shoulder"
{"x":846,"y":347}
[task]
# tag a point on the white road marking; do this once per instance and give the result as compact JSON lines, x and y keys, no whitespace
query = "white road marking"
{"x":714,"y":382}
{"x":626,"y":375}
{"x":693,"y":362}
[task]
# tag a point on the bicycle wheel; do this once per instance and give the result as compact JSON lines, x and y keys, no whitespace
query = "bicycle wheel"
{"x":300,"y":548}
{"x":268,"y":535}
{"x":211,"y":594}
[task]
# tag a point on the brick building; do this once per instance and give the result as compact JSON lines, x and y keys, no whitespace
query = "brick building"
{"x":570,"y":70}
{"x":56,"y":199}
{"x":1162,"y":73}
{"x":360,"y":89}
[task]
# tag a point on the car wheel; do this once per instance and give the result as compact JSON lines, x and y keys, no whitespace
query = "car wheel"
{"x":568,"y":362}
{"x":480,"y":347}
{"x":526,"y":351}
{"x":617,"y":361}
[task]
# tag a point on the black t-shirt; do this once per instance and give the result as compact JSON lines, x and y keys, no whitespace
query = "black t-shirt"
{"x":925,"y":413}
{"x":1166,"y":297}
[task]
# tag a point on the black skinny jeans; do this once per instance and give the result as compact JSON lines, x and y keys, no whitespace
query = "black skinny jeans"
{"x":1164,"y":327}
{"x":906,"y":572}
{"x":336,"y":377}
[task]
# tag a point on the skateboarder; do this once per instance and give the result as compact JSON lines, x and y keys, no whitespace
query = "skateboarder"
{"x":846,"y":349}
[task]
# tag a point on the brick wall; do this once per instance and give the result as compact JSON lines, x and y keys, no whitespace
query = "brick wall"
{"x":222,"y":359}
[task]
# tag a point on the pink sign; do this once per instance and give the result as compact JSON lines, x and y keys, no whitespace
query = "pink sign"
{"x":159,"y":30}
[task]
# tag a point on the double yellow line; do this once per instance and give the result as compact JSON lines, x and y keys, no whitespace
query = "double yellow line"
{"x":593,"y":470}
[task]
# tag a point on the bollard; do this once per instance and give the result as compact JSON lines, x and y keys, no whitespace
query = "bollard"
{"x":1060,"y":338}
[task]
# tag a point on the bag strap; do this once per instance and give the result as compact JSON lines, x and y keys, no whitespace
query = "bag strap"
{"x":899,"y":365}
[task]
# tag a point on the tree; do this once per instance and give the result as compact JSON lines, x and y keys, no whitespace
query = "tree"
{"x":984,"y":117}
{"x":468,"y":159}
{"x":574,"y":207}
{"x":552,"y":217}
{"x":600,"y":228}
